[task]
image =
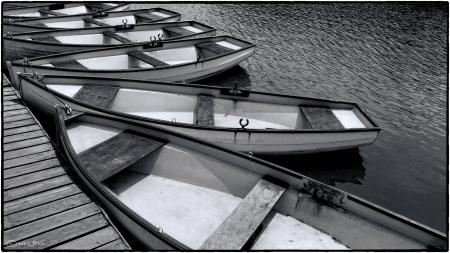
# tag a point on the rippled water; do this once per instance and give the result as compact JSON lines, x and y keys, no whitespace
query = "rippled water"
{"x":390,"y":58}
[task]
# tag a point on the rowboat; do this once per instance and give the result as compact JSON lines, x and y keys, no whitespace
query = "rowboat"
{"x":182,"y":60}
{"x":173,"y":192}
{"x":16,"y":5}
{"x":102,"y":18}
{"x":60,"y":9}
{"x":246,"y":121}
{"x":69,"y":40}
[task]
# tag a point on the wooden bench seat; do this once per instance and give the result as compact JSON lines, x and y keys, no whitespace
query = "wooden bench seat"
{"x":205,"y":110}
{"x":177,"y":32}
{"x":97,"y":95}
{"x":242,"y":223}
{"x":321,"y":118}
{"x":148,"y":59}
{"x":148,"y":16}
{"x":211,"y":49}
{"x":117,"y":37}
{"x":116,"y":154}
{"x":93,"y":21}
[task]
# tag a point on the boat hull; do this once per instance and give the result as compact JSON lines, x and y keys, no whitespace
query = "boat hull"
{"x":260,"y":142}
{"x":187,"y":73}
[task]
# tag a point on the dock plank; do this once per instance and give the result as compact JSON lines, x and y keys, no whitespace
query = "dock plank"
{"x":23,"y":136}
{"x":27,"y":151}
{"x":114,"y":245}
{"x":245,"y":219}
{"x":91,"y":241}
{"x":70,"y":231}
{"x":29,"y":168}
{"x":40,"y":198}
{"x":39,"y":226}
{"x":28,"y":159}
{"x":10,"y":97}
{"x":25,"y":143}
{"x":15,"y":112}
{"x":32,"y":177}
{"x":32,"y":214}
{"x":20,"y":123}
{"x":34,"y":188}
{"x":22,"y":129}
{"x":16,"y":118}
{"x":12,"y":107}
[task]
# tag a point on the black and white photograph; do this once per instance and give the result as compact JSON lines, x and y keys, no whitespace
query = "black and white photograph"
{"x":225,"y":126}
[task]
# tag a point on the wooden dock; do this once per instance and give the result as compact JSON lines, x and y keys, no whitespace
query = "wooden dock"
{"x":43,"y":208}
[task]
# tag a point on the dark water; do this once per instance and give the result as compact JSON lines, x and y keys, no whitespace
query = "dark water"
{"x":390,"y":58}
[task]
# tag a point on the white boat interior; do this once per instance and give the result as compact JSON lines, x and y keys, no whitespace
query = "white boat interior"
{"x":71,"y":10}
{"x":102,"y":37}
{"x":188,"y":203}
{"x":153,"y":58}
{"x":224,"y":113}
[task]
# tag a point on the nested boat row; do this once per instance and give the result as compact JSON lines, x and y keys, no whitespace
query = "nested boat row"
{"x":162,"y":157}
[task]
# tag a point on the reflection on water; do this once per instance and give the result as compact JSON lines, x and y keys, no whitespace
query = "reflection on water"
{"x":344,"y":166}
{"x":390,"y":58}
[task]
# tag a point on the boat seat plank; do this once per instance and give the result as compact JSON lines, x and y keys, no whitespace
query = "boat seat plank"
{"x":117,"y":37}
{"x":116,"y":154}
{"x":71,"y":64}
{"x":238,"y":228}
{"x":205,"y":110}
{"x":47,"y":39}
{"x":177,"y":31}
{"x":52,"y":13}
{"x":147,"y":16}
{"x":148,"y":59}
{"x":93,"y":21}
{"x":211,"y":49}
{"x":321,"y":118}
{"x":97,"y":95}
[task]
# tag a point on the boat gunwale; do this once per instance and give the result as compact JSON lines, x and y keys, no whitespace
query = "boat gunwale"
{"x":24,"y":22}
{"x":138,"y":45}
{"x":212,"y":128}
{"x":346,"y":205}
{"x":209,"y":29}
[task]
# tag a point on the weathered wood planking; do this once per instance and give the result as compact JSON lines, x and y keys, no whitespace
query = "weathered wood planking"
{"x":32,"y":177}
{"x":116,"y":154}
{"x":205,"y":110}
{"x":40,"y":198}
{"x":42,"y":206}
{"x":35,"y":213}
{"x":245,"y":219}
{"x":23,"y":136}
{"x":96,"y":95}
{"x":29,"y":168}
{"x":90,"y":241}
{"x":24,"y":143}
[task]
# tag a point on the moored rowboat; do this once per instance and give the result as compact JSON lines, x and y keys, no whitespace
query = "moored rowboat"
{"x":60,"y":9}
{"x":276,"y":123}
{"x":109,"y":18}
{"x":182,"y":60}
{"x":69,"y":40}
{"x":174,"y":192}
